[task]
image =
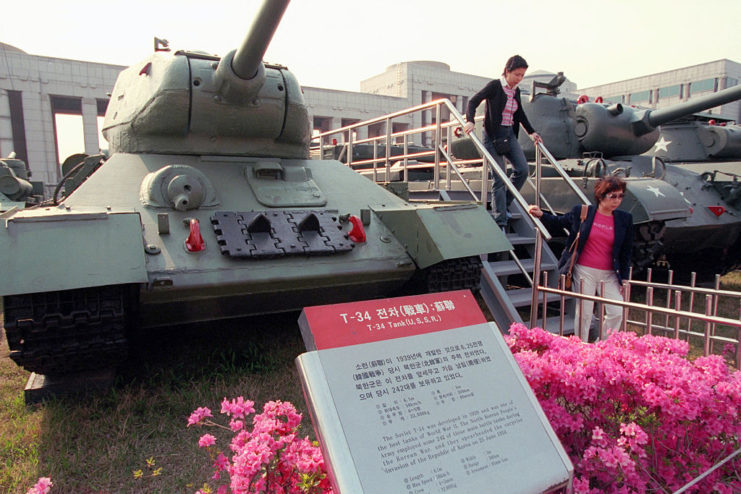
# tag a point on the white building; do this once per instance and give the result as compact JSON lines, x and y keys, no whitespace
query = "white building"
{"x":35,"y":92}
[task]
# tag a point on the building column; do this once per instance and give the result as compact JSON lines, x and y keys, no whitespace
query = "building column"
{"x":90,"y":126}
{"x":6,"y":128}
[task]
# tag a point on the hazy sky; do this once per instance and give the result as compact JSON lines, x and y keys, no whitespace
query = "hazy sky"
{"x":337,"y":43}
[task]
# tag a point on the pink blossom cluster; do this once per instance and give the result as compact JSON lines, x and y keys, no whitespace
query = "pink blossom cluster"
{"x":42,"y":486}
{"x":270,"y":458}
{"x":633,"y":413}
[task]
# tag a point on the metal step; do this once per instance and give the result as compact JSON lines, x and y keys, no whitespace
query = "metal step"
{"x":522,"y":297}
{"x":504,"y":268}
{"x":516,"y":239}
{"x":553,"y":324}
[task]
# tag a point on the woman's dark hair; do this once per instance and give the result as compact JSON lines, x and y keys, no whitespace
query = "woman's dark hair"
{"x":514,"y":62}
{"x":605,"y":185}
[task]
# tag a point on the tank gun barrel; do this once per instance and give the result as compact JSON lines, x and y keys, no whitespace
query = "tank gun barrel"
{"x":655,"y":118}
{"x":249,"y":55}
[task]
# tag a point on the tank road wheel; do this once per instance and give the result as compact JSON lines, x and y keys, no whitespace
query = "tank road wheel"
{"x":55,"y":333}
{"x":453,"y":274}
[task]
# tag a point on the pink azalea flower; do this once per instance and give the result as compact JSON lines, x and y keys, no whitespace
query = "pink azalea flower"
{"x":199,"y":415}
{"x":206,"y":440}
{"x":42,"y":486}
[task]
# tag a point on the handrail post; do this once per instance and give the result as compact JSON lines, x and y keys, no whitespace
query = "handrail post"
{"x":375,"y":161}
{"x":406,"y":158}
{"x":438,"y":143}
{"x":708,"y":311}
{"x":387,"y":176}
{"x":349,"y":148}
{"x":650,"y":303}
{"x":626,"y":297}
{"x":536,"y":280}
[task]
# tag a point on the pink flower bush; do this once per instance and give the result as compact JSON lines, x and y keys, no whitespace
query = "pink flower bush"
{"x":633,"y":413}
{"x":270,"y":458}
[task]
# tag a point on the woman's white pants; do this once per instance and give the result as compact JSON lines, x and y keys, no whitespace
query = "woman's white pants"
{"x":588,"y":280}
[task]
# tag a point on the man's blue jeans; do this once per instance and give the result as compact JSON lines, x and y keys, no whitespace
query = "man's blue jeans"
{"x":501,"y":196}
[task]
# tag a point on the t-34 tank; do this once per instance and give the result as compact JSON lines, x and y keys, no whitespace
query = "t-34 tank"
{"x":209,"y":207}
{"x":594,"y":139}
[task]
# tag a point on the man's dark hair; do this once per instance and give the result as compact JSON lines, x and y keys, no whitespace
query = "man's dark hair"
{"x":514,"y":62}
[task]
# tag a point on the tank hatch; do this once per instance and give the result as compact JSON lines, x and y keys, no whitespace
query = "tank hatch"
{"x":283,"y":185}
{"x":266,"y":234}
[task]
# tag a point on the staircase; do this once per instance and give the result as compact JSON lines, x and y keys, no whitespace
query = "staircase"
{"x":506,"y":285}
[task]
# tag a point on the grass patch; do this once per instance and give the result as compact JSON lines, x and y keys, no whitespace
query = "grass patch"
{"x":95,"y":443}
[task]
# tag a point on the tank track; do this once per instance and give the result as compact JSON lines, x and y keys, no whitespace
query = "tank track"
{"x":453,"y":274}
{"x":647,"y":244}
{"x":55,"y":333}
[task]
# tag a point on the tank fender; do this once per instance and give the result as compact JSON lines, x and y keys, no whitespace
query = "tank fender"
{"x":62,"y":250}
{"x":432,"y":234}
{"x":650,"y":199}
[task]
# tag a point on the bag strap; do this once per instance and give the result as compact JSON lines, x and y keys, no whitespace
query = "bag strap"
{"x":575,"y":244}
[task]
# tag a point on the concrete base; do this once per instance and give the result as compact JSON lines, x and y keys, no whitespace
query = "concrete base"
{"x":40,"y":387}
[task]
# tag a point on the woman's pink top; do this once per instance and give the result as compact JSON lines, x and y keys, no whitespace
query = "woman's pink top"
{"x":597,"y":251}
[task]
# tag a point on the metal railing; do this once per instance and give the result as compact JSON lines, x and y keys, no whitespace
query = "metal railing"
{"x":678,"y":322}
{"x":442,"y":136}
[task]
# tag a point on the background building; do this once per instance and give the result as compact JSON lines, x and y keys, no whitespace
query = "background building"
{"x":52,"y":107}
{"x":675,"y":86}
{"x":43,"y":100}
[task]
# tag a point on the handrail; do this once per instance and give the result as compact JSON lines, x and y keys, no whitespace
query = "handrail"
{"x":557,"y":166}
{"x":456,"y":120}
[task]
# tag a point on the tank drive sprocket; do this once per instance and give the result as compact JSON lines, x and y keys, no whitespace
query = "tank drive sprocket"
{"x":68,"y":331}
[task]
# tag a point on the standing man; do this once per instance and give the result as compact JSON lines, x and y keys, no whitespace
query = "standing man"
{"x":502,"y":121}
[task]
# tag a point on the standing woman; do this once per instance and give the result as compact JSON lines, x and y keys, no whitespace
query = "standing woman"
{"x":502,"y":120}
{"x":603,"y":252}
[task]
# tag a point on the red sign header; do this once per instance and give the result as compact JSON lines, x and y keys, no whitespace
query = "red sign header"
{"x":366,"y":321}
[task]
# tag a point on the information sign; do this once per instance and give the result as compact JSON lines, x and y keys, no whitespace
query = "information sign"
{"x":443,"y":409}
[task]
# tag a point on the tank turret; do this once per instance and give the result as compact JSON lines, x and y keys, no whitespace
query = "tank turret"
{"x":618,"y":130}
{"x":191,"y":103}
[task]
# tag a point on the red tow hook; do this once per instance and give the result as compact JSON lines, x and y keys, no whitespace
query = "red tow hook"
{"x":717,"y":210}
{"x":357,"y":234}
{"x":194,"y":242}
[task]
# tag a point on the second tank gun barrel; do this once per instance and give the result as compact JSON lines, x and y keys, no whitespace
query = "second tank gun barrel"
{"x":664,"y":115}
{"x":249,"y":55}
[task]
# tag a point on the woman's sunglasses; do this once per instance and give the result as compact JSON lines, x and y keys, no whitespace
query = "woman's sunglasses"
{"x":615,"y":195}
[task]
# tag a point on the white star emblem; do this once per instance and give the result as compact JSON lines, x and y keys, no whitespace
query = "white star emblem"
{"x":655,"y":190}
{"x":662,"y":144}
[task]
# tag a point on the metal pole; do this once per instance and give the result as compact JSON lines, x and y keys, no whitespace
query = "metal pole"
{"x":677,"y":307}
{"x":708,"y":310}
{"x":438,"y":142}
{"x":650,"y":303}
{"x":536,"y":280}
{"x":388,"y":151}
